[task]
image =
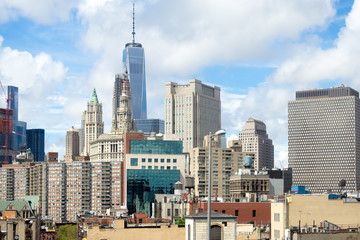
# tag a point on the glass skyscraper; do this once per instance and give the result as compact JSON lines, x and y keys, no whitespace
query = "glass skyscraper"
{"x":134,"y":65}
{"x":17,"y":138}
{"x":36,"y":142}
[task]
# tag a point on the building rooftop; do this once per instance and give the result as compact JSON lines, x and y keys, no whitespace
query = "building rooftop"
{"x":214,"y":215}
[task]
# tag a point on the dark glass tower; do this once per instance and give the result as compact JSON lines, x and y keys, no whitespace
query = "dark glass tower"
{"x":35,"y":140}
{"x":134,"y":65}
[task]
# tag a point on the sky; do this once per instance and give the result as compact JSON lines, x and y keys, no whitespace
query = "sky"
{"x":258,"y":52}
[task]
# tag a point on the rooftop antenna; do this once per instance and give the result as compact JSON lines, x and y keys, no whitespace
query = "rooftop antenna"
{"x":133,"y":32}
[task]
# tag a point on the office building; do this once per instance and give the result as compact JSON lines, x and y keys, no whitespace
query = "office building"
{"x":18,"y":134}
{"x":324,"y":139}
{"x":254,"y":138}
{"x":225,"y":162}
{"x":72,"y":145}
{"x":192,"y":111}
{"x":150,"y":125}
{"x":122,"y":120}
{"x":134,"y":65}
{"x":94,"y":125}
{"x":35,"y":140}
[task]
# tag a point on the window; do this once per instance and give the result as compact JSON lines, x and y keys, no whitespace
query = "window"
{"x":168,"y":167}
{"x":277,"y":217}
{"x":174,"y":160}
{"x":168,"y":160}
{"x":149,"y":160}
{"x":236,"y":212}
{"x":174,"y":167}
{"x":162,"y":167}
{"x":156,"y":160}
{"x":223,"y":211}
{"x":254,"y":213}
{"x":143,"y":160}
{"x":162,"y":160}
{"x":168,"y":212}
{"x":143,"y":167}
{"x":176,"y":212}
{"x":156,"y":167}
{"x":133,"y":162}
{"x":149,"y":167}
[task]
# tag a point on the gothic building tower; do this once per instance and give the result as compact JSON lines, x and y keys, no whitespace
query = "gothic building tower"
{"x":123,"y":120}
{"x":94,"y":125}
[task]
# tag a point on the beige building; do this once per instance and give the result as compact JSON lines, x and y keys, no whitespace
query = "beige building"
{"x":324,"y":139}
{"x":94,"y":125}
{"x":254,"y":139}
{"x":164,"y":232}
{"x":107,"y":148}
{"x":72,"y":145}
{"x":225,"y":162}
{"x":192,"y":111}
{"x":223,"y":226}
{"x":247,"y":186}
{"x":309,"y":209}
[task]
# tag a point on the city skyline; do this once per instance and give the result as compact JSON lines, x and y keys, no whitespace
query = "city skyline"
{"x":66,"y":50}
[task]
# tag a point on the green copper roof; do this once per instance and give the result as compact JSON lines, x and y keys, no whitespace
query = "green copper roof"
{"x":94,"y":98}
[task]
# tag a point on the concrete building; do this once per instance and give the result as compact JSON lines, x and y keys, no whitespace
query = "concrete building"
{"x":225,"y":162}
{"x":122,"y":120}
{"x":248,"y":187}
{"x":72,"y":145}
{"x":324,"y":139}
{"x":107,"y":148}
{"x":192,"y":111}
{"x":254,"y":138}
{"x":223,"y":226}
{"x":170,"y":206}
{"x":94,"y":125}
{"x":20,"y":219}
{"x":309,"y":210}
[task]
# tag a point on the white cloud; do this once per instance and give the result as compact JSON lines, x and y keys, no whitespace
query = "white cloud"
{"x":41,"y":11}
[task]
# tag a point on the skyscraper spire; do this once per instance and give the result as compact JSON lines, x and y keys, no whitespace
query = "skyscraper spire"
{"x":133,"y":32}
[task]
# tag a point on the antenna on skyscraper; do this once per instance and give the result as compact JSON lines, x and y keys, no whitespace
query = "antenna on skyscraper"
{"x":133,"y":32}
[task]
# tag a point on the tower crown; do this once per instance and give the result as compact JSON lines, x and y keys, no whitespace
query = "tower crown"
{"x":94,"y":98}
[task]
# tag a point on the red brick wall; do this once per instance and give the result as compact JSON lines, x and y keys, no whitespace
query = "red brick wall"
{"x":245,"y":211}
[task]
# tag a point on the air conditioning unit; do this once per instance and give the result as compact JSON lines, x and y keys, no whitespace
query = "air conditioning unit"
{"x":304,"y":230}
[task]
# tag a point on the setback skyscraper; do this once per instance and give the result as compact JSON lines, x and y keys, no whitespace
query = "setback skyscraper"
{"x":254,"y":138}
{"x":324,"y":139}
{"x":134,"y":65}
{"x":192,"y":111}
{"x":94,"y":126}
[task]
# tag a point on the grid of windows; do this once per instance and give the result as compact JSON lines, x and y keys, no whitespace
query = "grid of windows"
{"x":155,"y":147}
{"x":324,"y":141}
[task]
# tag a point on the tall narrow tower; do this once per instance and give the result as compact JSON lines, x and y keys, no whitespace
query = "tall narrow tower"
{"x":72,"y":145}
{"x":134,"y":65}
{"x":94,"y":125}
{"x":123,"y":120}
{"x":254,"y":138}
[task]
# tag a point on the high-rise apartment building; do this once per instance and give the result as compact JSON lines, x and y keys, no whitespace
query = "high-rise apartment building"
{"x":225,"y":162}
{"x":94,"y":125}
{"x":192,"y":111}
{"x":35,"y":140}
{"x":72,"y":145}
{"x":254,"y":138}
{"x":134,"y":65}
{"x":324,"y":139}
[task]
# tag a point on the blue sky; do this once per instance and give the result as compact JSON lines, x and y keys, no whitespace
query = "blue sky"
{"x":258,"y":52}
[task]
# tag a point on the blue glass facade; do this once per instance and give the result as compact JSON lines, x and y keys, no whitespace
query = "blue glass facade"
{"x":134,"y":63}
{"x":143,"y":184}
{"x":155,"y":147}
{"x":150,"y":125}
{"x":35,"y":140}
{"x":18,"y":137}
